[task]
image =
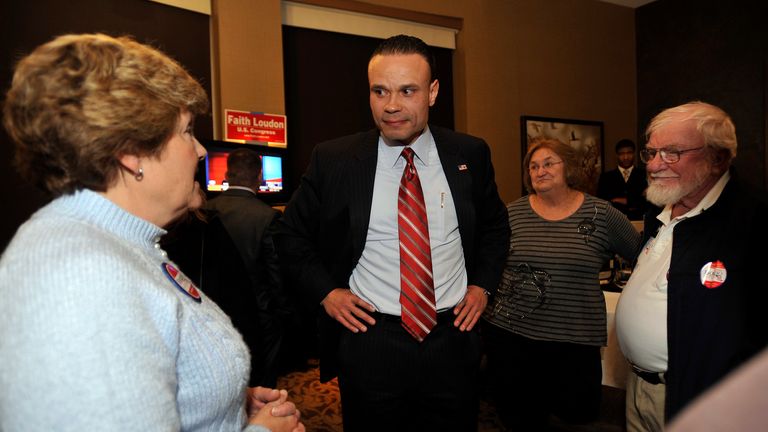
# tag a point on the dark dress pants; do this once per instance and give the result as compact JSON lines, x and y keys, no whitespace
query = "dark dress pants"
{"x":391,"y":382}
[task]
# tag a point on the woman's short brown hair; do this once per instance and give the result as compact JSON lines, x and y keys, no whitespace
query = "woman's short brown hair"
{"x":80,"y":102}
{"x":568,"y":154}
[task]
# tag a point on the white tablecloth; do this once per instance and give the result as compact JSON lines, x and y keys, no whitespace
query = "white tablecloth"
{"x":615,"y":366}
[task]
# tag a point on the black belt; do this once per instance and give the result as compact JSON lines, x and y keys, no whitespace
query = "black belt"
{"x":654,"y":378}
{"x":442,"y":317}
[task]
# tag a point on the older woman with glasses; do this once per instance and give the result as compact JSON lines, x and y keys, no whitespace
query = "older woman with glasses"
{"x":547,"y":321}
{"x":99,"y":330}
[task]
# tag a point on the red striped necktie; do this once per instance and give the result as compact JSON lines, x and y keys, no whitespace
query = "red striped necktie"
{"x":417,"y":289}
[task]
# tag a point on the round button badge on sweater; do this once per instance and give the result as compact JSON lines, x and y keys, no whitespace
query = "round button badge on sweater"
{"x":182,"y":282}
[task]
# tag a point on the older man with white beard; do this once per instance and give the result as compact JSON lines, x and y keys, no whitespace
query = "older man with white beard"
{"x":694,"y":308}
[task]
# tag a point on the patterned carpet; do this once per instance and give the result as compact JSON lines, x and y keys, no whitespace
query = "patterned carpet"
{"x":320,"y":407}
{"x":319,"y":403}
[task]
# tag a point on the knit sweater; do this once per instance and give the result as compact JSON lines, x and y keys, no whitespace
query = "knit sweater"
{"x":95,"y":335}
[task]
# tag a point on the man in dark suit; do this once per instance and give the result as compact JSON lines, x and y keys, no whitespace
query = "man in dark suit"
{"x":250,"y":224}
{"x":342,"y":235}
{"x":625,"y":185}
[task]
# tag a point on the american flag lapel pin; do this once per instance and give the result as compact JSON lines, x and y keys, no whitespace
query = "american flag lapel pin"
{"x":462,"y":167}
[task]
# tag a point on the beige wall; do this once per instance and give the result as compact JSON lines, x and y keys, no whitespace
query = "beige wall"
{"x":556,"y":58}
{"x":248,"y":55}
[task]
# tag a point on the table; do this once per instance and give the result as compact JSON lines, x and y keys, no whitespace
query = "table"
{"x":615,"y":366}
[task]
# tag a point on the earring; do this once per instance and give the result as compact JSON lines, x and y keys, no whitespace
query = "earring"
{"x":139,"y":176}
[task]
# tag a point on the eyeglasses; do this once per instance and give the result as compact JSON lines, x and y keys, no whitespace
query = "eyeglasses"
{"x":522,"y":291}
{"x":546,"y":165}
{"x":668,"y":156}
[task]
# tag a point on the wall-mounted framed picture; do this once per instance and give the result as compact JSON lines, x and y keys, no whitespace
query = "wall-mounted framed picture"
{"x":583,"y":135}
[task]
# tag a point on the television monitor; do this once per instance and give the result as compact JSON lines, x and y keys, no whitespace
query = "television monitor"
{"x":272,"y":160}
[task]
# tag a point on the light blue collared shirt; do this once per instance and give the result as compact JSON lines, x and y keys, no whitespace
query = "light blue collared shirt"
{"x":376,"y":278}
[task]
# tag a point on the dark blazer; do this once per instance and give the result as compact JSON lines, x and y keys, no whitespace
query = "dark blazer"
{"x":612,"y":185}
{"x":250,"y":223}
{"x":323,"y":232}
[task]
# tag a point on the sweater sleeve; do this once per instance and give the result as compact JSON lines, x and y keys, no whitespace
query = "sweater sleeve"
{"x":625,"y":240}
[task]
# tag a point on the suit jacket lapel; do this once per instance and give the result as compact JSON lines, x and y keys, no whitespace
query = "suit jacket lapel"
{"x":362,"y":176}
{"x":457,"y":173}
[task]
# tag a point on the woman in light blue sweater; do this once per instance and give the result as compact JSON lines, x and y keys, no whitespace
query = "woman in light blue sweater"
{"x":98,"y":329}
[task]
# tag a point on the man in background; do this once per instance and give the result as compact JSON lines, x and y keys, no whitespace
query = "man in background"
{"x":250,"y":224}
{"x":624,"y":186}
{"x":399,"y":235}
{"x":694,"y":307}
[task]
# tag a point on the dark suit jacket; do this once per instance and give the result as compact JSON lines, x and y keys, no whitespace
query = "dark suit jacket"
{"x":323,"y":232}
{"x":612,"y":185}
{"x":250,"y":223}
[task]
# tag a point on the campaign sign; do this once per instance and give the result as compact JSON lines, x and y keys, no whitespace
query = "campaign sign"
{"x":255,"y":128}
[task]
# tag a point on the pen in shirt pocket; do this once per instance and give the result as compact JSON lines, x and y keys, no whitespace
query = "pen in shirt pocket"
{"x":442,"y":199}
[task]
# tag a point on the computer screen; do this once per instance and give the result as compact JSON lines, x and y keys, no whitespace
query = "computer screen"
{"x":216,"y":167}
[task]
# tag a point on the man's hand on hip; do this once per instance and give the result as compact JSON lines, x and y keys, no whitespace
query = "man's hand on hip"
{"x":348,"y":309}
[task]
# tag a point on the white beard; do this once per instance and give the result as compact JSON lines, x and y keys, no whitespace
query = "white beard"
{"x":665,"y":195}
{"x":661,"y":195}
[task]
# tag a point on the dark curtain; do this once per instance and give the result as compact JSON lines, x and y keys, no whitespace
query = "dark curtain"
{"x":182,"y":34}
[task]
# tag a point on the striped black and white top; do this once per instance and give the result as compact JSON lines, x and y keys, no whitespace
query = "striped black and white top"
{"x":550,"y":289}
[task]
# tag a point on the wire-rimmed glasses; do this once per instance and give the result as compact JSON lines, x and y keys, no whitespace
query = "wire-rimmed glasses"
{"x":548,"y":165}
{"x":667,"y":155}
